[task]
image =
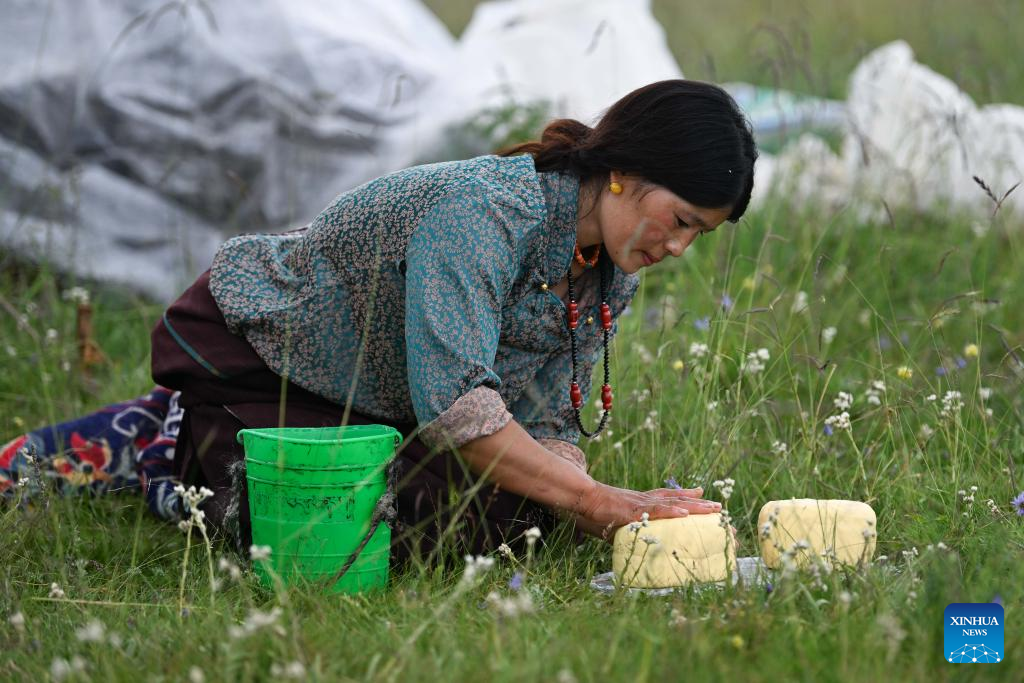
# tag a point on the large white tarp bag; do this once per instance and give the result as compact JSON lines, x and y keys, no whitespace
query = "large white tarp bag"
{"x":912,"y":139}
{"x":542,"y":59}
{"x":159,"y":128}
{"x":915,"y":138}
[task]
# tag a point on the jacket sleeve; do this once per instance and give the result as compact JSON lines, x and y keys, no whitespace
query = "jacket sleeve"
{"x":461,"y":263}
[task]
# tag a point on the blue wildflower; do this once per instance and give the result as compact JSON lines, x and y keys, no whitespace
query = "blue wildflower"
{"x":998,"y":599}
{"x":961,"y":363}
{"x":703,"y":324}
{"x":726,"y":302}
{"x":672,"y":483}
{"x":516,"y":582}
{"x":828,"y":430}
{"x":940,"y":371}
{"x":1018,"y":504}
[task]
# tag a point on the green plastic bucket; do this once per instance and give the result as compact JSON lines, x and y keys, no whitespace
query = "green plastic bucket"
{"x":312,"y":493}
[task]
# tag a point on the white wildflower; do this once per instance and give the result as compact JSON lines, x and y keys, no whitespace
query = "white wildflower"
{"x":650,"y":540}
{"x":11,"y":351}
{"x":93,"y":632}
{"x":951,"y":404}
{"x":755,"y":361}
{"x":779,"y":447}
{"x":56,"y":591}
{"x":698,"y":350}
{"x":226,"y":565}
{"x":532,"y":534}
{"x":840,"y":421}
{"x":51,"y":335}
{"x":476,"y":566}
{"x":78,"y":295}
{"x":828,"y":335}
{"x":59,"y":669}
{"x":565,"y":676}
{"x":506,"y":551}
{"x":712,"y":406}
{"x":512,"y":606}
{"x":874,"y":392}
{"x":196,"y":675}
{"x":256,"y":621}
{"x":17,"y":620}
{"x":967,"y":498}
{"x":845,"y":598}
{"x":191,"y":499}
{"x":925,"y":432}
{"x":984,"y":393}
{"x":644,"y":518}
{"x":930,"y":398}
{"x":724,"y":487}
{"x":259,"y":552}
{"x":843,"y":401}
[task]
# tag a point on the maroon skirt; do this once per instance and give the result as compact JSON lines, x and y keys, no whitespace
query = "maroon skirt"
{"x":225,"y":387}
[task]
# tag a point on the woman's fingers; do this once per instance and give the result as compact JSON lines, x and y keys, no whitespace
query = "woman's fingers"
{"x":666,"y":510}
{"x":696,"y":506}
{"x":700,"y":507}
{"x":689,"y":493}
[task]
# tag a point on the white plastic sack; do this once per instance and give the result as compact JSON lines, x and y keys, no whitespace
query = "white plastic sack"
{"x":577,"y":56}
{"x":247,"y":115}
{"x":913,"y":139}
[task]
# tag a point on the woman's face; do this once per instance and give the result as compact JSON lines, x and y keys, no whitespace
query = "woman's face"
{"x":647,"y":223}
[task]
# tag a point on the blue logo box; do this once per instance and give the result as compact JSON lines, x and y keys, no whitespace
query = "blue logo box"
{"x":973,"y":633}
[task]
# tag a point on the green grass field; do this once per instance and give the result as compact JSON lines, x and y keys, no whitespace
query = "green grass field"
{"x":907,"y":299}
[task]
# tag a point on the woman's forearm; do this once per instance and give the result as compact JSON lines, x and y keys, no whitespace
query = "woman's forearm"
{"x":511,"y":458}
{"x":514,"y":461}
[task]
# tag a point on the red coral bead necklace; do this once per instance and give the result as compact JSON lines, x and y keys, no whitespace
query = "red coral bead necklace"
{"x":575,"y":394}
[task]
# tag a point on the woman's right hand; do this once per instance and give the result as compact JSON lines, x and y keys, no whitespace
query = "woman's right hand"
{"x":604,"y":508}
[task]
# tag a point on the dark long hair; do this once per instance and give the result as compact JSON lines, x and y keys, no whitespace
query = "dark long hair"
{"x":687,"y":136}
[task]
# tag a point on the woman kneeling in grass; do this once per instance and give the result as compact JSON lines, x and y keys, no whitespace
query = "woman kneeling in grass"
{"x":464,"y":303}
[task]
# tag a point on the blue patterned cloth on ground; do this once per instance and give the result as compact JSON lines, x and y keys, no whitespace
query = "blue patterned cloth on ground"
{"x":124,"y":446}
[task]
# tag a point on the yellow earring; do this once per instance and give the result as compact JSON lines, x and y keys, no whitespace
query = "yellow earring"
{"x":616,"y":188}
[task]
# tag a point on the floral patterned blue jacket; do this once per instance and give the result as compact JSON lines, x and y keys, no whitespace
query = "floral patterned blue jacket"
{"x":418,"y":297}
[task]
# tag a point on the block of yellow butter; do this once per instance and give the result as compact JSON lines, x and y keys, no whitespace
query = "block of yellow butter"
{"x":668,"y":553}
{"x":842,"y":531}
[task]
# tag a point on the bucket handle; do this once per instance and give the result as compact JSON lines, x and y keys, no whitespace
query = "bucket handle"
{"x":384,"y":511}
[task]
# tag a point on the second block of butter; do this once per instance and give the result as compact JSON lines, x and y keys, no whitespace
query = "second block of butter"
{"x":839,"y":530}
{"x":668,"y":553}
